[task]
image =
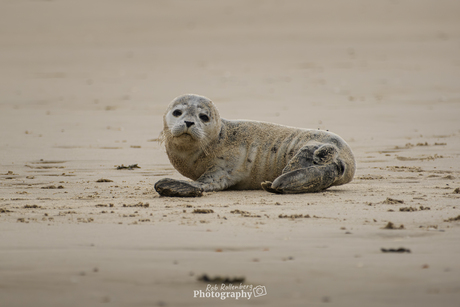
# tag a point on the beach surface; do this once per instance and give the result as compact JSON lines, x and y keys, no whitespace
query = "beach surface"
{"x":83,"y":88}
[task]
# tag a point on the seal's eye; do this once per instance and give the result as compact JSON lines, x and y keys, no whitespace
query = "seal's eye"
{"x":204,"y":118}
{"x":177,"y":113}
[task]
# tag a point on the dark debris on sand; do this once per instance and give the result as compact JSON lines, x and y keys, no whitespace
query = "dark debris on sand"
{"x":221,"y":279}
{"x":129,"y":167}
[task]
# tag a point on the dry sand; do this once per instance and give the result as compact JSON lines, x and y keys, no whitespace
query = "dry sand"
{"x":83,"y":88}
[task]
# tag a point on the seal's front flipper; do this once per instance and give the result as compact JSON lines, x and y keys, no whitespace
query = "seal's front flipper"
{"x":306,"y":180}
{"x":177,"y":188}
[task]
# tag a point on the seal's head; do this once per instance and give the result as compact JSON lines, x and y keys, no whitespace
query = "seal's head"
{"x":191,"y":122}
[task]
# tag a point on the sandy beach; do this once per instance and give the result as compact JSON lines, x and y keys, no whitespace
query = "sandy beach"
{"x":83,"y":88}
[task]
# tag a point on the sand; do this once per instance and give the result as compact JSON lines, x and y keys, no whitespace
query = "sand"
{"x":83,"y":88}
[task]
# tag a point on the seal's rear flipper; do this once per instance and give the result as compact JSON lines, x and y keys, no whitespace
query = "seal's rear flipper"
{"x":306,"y":180}
{"x":267,"y":186}
{"x":177,"y":188}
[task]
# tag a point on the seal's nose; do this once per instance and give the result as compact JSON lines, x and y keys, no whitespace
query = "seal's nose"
{"x":189,"y":124}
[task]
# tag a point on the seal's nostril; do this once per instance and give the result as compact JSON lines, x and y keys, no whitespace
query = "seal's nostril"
{"x":189,"y":124}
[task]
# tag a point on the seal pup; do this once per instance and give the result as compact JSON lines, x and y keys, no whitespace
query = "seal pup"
{"x":219,"y":154}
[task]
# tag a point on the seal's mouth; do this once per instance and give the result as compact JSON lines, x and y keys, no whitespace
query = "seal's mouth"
{"x":185,"y":135}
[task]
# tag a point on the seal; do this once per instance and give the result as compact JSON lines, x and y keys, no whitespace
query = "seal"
{"x":219,"y":154}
